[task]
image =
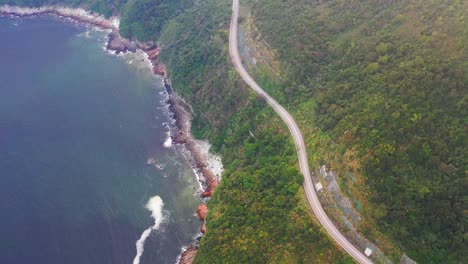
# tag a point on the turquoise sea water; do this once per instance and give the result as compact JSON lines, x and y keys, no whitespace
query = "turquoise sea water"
{"x":77,"y":127}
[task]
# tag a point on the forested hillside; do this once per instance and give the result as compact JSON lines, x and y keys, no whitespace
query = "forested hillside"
{"x":389,"y":83}
{"x":258,"y":214}
{"x":381,"y":83}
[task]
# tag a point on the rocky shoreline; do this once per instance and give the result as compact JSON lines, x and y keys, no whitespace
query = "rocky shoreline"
{"x":181,"y":111}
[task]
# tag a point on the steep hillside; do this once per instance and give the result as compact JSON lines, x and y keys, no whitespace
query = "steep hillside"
{"x":258,"y":213}
{"x":387,"y":81}
{"x":379,"y":90}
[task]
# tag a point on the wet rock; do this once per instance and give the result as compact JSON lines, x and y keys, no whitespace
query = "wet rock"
{"x":211,"y":182}
{"x":188,"y":256}
{"x":117,"y":43}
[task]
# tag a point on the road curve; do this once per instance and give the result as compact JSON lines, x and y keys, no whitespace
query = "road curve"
{"x":309,"y":189}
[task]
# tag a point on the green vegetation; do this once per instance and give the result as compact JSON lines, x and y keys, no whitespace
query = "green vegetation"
{"x":389,"y":79}
{"x":143,"y":19}
{"x":378,"y":88}
{"x":259,"y":204}
{"x":258,"y":213}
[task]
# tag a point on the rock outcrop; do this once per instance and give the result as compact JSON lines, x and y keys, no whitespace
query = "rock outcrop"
{"x":119,"y":44}
{"x":211,"y":182}
{"x":202,"y":211}
{"x":153,"y":54}
{"x":188,"y":256}
{"x":183,"y":116}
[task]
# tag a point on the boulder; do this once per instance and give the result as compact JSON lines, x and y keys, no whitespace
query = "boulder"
{"x":117,"y":43}
{"x":202,"y":211}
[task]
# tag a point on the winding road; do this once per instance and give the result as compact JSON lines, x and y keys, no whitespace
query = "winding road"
{"x":311,"y":195}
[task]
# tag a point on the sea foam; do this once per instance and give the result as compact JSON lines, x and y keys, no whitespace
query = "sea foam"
{"x":155,"y":206}
{"x":168,"y":142}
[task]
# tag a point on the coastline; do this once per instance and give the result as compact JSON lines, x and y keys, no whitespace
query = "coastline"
{"x":207,"y":167}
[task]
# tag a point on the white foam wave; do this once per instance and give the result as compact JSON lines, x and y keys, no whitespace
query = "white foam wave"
{"x":168,"y":142}
{"x":200,"y":179}
{"x":155,"y":206}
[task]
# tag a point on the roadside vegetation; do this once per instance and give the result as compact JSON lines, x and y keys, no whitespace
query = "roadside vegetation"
{"x":385,"y":81}
{"x":258,"y":213}
{"x":379,"y":90}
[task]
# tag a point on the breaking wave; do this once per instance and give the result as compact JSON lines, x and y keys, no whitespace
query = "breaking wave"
{"x":155,"y":205}
{"x":168,"y":142}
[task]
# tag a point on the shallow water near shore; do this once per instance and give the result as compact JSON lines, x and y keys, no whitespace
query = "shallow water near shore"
{"x":81,"y":151}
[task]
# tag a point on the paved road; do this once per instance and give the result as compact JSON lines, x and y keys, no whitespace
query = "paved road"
{"x":298,"y":141}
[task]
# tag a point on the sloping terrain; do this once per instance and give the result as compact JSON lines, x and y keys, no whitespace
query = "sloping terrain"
{"x":387,"y":81}
{"x":379,"y":91}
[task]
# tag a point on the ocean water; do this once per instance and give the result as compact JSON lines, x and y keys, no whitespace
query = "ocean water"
{"x":77,"y":128}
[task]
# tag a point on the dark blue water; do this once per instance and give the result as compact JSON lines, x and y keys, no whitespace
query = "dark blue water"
{"x":77,"y":127}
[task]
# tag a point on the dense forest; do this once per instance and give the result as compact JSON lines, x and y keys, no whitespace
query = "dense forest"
{"x":389,"y":83}
{"x":383,"y":81}
{"x":258,"y":213}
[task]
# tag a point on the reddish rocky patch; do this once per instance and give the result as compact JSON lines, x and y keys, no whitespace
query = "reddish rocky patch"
{"x":202,"y":211}
{"x":188,"y":256}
